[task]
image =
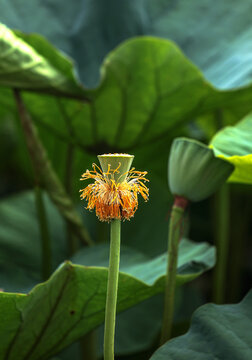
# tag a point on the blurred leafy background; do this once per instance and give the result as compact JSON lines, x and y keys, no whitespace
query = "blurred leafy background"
{"x":145,"y":93}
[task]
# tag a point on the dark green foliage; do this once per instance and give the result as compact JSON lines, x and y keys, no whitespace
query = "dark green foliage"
{"x":217,"y":331}
{"x":146,"y":94}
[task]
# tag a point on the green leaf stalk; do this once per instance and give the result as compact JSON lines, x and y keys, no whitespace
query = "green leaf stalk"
{"x":112,"y":287}
{"x":194,"y":173}
{"x":222,"y":243}
{"x":175,"y":234}
{"x":44,"y":234}
{"x":46,"y":174}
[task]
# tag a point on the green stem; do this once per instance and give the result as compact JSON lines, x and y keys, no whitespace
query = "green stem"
{"x":241,"y":214}
{"x":222,"y":242}
{"x":170,"y":283}
{"x":46,"y":174}
{"x":72,"y":240}
{"x":45,"y":236}
{"x":113,"y":273}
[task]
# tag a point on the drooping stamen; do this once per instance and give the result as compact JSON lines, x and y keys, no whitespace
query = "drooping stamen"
{"x":114,"y":199}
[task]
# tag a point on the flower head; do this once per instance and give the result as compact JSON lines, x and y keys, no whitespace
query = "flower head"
{"x":114,"y":193}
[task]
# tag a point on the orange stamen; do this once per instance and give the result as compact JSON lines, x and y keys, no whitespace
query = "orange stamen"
{"x":111,"y":199}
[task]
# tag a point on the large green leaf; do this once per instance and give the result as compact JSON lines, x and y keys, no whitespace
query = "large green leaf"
{"x":217,"y":38}
{"x":234,"y":143}
{"x":192,"y":258}
{"x":21,"y":65}
{"x":129,"y":337}
{"x":148,"y":87}
{"x":134,"y":102}
{"x":72,"y":301}
{"x":217,"y":332}
{"x":94,"y":131}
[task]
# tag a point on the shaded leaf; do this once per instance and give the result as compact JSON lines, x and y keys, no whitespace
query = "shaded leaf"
{"x":221,"y":49}
{"x":193,"y":257}
{"x":20,"y":243}
{"x":217,"y":332}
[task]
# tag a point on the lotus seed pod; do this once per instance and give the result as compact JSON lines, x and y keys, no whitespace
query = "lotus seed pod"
{"x":121,"y":162}
{"x":193,"y":170}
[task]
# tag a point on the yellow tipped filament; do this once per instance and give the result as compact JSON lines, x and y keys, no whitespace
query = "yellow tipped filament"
{"x":111,"y":199}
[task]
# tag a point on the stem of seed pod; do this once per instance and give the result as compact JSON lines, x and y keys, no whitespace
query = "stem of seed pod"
{"x":113,"y":273}
{"x":170,"y":283}
{"x":222,"y":243}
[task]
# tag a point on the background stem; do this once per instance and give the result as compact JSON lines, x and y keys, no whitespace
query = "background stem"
{"x":170,"y":284}
{"x":88,"y":346}
{"x":113,"y":273}
{"x":72,"y":240}
{"x":44,"y":234}
{"x":241,"y":214}
{"x":46,"y":174}
{"x":73,"y":243}
{"x":222,"y":243}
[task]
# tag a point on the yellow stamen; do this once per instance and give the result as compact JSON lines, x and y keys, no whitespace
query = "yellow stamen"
{"x":114,"y":199}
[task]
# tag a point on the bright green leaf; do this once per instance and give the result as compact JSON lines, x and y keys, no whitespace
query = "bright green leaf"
{"x":234,"y":144}
{"x":217,"y":332}
{"x":21,"y":66}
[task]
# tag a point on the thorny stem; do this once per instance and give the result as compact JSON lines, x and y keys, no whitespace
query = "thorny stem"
{"x":47,"y":176}
{"x":222,"y":242}
{"x":44,"y":233}
{"x":113,"y":273}
{"x":170,"y":283}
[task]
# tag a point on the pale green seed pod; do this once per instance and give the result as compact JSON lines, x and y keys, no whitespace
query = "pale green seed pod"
{"x":114,"y":160}
{"x":193,"y":170}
